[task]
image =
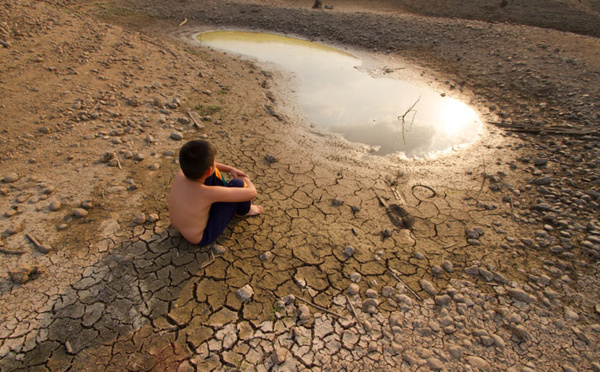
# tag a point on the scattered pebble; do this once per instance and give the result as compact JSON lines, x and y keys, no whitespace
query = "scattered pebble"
{"x":245,"y":293}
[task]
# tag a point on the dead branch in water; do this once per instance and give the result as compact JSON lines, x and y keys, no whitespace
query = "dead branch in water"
{"x":403,"y":117}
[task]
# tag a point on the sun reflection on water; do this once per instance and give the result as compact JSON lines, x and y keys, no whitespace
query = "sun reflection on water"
{"x":335,"y":95}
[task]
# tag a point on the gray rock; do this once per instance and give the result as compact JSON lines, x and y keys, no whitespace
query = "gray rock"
{"x":435,"y":364}
{"x":488,"y":276}
{"x":479,"y":363}
{"x":371,"y":293}
{"x":521,"y":295}
{"x":437,"y":270}
{"x":79,"y":212}
{"x":245,"y":293}
{"x":543,"y":181}
{"x":472,"y":270}
{"x":140,"y":219}
{"x":428,"y":287}
{"x":355,"y":277}
{"x":266,"y":256}
{"x":270,"y":159}
{"x":348,"y":251}
{"x":353,"y":289}
{"x":177,"y":136}
{"x":442,"y":300}
{"x":10,"y":178}
{"x":387,"y":291}
{"x":448,"y":266}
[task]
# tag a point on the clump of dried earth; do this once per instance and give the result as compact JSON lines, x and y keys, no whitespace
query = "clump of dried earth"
{"x":479,"y":259}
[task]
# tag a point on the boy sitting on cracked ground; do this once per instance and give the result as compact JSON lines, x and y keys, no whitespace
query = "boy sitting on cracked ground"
{"x":201,"y":203}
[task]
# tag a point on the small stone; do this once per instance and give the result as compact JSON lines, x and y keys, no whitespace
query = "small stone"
{"x":355,"y":277}
{"x":478,"y":363}
{"x":23,"y":274}
{"x":140,"y":219}
{"x":336,"y":202}
{"x":245,"y":293}
{"x":54,"y":205}
{"x":448,"y":266}
{"x":570,"y":314}
{"x":520,"y":295}
{"x":177,"y":136}
{"x":387,"y":291}
{"x":371,"y":293}
{"x":428,"y":287}
{"x":62,"y":226}
{"x":348,"y":251}
{"x":15,"y":228}
{"x":10,"y":178}
{"x":386,"y":233}
{"x":266,"y":256}
{"x":472,"y":270}
{"x":370,"y":305}
{"x":79,"y":212}
{"x":543,"y":181}
{"x":280,"y":355}
{"x":456,"y":351}
{"x":152,"y":217}
{"x":154,"y":166}
{"x":437,"y":270}
{"x":353,"y":289}
{"x":488,"y":276}
{"x":289,"y":299}
{"x":435,"y":364}
{"x":87,"y":204}
{"x":442,"y":300}
{"x":303,"y":312}
{"x":218,"y":250}
{"x":270,"y":158}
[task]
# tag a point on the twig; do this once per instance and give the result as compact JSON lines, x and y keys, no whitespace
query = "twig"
{"x":354,"y":313}
{"x":451,"y":246}
{"x":10,"y":251}
{"x":484,"y":175}
{"x":184,"y":22}
{"x":321,"y":308}
{"x":159,"y":45}
{"x":118,"y":161}
{"x":402,"y":117}
{"x":212,"y":259}
{"x":398,"y":197}
{"x":40,"y":247}
{"x":396,"y":276}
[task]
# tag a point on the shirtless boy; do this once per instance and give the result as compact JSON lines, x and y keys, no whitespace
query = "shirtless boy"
{"x":201,"y":203}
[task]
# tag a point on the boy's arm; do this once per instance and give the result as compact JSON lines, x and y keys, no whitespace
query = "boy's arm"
{"x":235,"y":173}
{"x":233,"y":194}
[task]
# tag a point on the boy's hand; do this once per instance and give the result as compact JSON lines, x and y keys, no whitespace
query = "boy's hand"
{"x":236,"y":173}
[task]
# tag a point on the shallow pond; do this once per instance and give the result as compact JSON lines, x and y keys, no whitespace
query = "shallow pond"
{"x":391,"y":115}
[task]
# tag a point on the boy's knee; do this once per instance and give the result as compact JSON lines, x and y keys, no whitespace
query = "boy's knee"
{"x":236,"y":182}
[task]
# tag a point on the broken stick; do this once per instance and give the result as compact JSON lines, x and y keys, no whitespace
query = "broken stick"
{"x":321,"y":308}
{"x":354,"y":313}
{"x":396,"y":276}
{"x":40,"y":247}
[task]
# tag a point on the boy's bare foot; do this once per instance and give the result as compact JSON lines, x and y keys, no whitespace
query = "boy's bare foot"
{"x":255,"y":210}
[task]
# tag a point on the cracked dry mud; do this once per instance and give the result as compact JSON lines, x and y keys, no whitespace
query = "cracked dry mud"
{"x":482,"y":259}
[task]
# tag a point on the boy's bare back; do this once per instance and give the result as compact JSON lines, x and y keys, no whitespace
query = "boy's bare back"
{"x":189,"y":207}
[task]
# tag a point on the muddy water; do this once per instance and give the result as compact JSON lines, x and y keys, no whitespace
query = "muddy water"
{"x":392,"y":116}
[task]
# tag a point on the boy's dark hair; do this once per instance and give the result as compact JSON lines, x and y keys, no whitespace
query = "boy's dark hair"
{"x":195,"y":157}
